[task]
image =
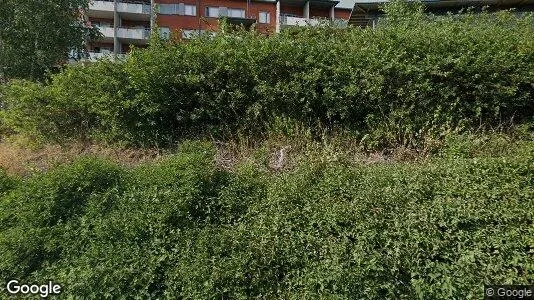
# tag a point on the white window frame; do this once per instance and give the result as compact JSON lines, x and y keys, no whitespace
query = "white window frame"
{"x":239,"y":13}
{"x":190,"y":10}
{"x":212,"y":12}
{"x":167,"y":9}
{"x":264,"y":17}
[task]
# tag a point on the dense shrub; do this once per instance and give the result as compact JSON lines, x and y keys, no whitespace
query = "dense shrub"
{"x":415,"y":76}
{"x":39,"y":217}
{"x":182,"y":229}
{"x":7,"y":182}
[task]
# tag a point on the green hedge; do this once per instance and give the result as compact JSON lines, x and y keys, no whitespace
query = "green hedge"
{"x":7,"y":182}
{"x":183,"y":229}
{"x":414,"y":77}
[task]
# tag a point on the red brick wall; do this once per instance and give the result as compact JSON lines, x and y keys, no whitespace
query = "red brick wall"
{"x":254,"y":10}
{"x":200,"y":21}
{"x":319,"y":12}
{"x":342,"y":13}
{"x":292,"y":10}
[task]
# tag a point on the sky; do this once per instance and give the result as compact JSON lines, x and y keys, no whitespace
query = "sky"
{"x":346,"y":3}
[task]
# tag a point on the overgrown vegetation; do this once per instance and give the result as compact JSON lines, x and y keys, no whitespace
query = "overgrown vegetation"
{"x":414,"y":79}
{"x":330,"y":228}
{"x":313,"y":220}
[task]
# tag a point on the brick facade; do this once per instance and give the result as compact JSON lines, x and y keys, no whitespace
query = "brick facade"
{"x":183,"y":17}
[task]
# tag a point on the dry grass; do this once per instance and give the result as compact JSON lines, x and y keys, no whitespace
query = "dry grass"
{"x":22,"y":159}
{"x":276,"y":153}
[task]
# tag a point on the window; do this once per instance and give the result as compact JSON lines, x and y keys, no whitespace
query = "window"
{"x":212,"y":12}
{"x":164,"y":32}
{"x":236,"y":13}
{"x":168,"y":9}
{"x":265,"y":17}
{"x":193,"y":33}
{"x":177,"y":9}
{"x":188,"y":34}
{"x":190,"y":10}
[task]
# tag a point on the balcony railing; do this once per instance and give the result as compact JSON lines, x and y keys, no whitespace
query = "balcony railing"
{"x":297,"y":21}
{"x":101,"y":5}
{"x":125,"y":33}
{"x":133,"y":8}
{"x":124,"y":6}
{"x":340,"y":23}
{"x":95,"y":56}
{"x":107,"y":31}
{"x":133,"y":33}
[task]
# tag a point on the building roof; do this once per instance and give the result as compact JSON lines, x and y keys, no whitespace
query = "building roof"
{"x":374,"y":4}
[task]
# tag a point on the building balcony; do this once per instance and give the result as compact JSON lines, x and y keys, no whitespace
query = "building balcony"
{"x":297,"y":21}
{"x":102,"y":7}
{"x":135,"y":36}
{"x":107,"y":32}
{"x":138,"y":34}
{"x":94,"y":56}
{"x":129,"y":10}
{"x":340,"y":23}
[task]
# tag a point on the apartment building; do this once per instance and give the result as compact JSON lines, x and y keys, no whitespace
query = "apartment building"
{"x":129,"y":22}
{"x":122,"y":23}
{"x":367,"y":12}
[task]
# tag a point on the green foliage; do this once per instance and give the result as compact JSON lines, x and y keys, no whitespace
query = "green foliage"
{"x":36,"y":36}
{"x":36,"y":218}
{"x":181,"y":228}
{"x":7,"y":182}
{"x":24,"y":108}
{"x":59,"y":112}
{"x":486,"y":145}
{"x":415,"y":77}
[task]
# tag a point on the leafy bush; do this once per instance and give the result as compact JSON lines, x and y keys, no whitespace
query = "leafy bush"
{"x":415,"y":77}
{"x":7,"y":182}
{"x":72,"y":106}
{"x":36,"y":218}
{"x":181,"y":228}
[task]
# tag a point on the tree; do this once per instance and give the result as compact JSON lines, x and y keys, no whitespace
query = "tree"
{"x":38,"y":35}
